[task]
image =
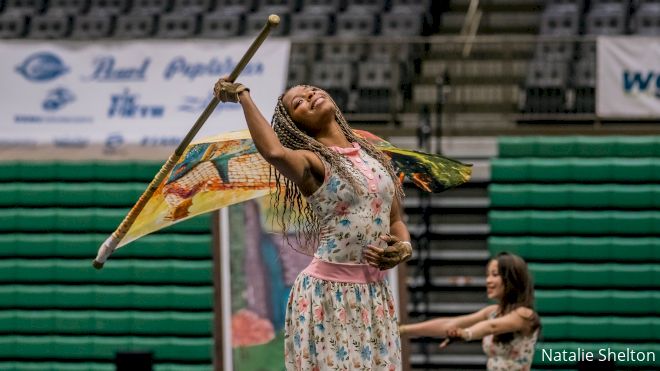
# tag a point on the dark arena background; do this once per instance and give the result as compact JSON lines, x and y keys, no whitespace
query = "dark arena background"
{"x":556,"y":103}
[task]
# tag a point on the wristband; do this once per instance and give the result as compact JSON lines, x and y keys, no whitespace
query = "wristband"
{"x":467,"y":334}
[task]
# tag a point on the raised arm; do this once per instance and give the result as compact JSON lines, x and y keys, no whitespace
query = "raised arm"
{"x":438,"y":327}
{"x":302,"y":167}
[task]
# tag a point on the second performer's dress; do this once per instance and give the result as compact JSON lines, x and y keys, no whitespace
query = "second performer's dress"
{"x":340,"y":314}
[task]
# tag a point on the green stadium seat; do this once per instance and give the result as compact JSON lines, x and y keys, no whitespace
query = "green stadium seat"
{"x":595,"y":275}
{"x":578,"y":248}
{"x":573,"y":196}
{"x":575,"y":222}
{"x":56,"y":366}
{"x":161,"y":245}
{"x":105,"y":322}
{"x":106,"y":297}
{"x":597,"y":302}
{"x":579,"y":146}
{"x":81,"y":220}
{"x":103,"y":347}
{"x":79,"y":171}
{"x":577,"y":170}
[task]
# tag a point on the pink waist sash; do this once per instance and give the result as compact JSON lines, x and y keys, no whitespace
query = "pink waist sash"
{"x":348,"y":273}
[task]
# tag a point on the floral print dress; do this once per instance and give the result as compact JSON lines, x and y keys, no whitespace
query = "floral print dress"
{"x":339,"y":325}
{"x":516,"y":355}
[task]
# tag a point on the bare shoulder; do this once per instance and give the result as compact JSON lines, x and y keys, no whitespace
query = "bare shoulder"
{"x":525,"y":313}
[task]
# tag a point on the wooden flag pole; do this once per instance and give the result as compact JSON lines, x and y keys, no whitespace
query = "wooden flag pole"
{"x":110,"y":244}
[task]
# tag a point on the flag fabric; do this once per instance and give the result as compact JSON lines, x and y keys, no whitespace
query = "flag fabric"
{"x":226,"y":169}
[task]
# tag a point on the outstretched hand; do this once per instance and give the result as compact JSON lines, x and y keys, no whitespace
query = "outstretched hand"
{"x":395,"y":253}
{"x":227,"y":91}
{"x":453,"y":334}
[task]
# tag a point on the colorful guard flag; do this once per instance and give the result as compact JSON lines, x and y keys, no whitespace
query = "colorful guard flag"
{"x":226,"y":169}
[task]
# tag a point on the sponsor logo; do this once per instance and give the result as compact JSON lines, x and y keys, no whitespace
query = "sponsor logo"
{"x":160,"y":141}
{"x":17,"y":143}
{"x":57,"y":98}
{"x":126,"y":105}
{"x":105,"y":69}
{"x":70,"y":142}
{"x":646,"y":82}
{"x":42,"y":67}
{"x":113,"y":142}
{"x":193,"y":104}
{"x":180,"y":66}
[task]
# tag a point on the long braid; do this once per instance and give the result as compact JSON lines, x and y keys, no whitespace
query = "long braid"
{"x":288,"y":200}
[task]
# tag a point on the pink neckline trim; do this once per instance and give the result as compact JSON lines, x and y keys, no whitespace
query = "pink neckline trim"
{"x":347,"y":151}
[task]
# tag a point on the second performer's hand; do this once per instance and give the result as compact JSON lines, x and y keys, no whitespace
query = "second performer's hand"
{"x":396,"y":252}
{"x":227,"y":91}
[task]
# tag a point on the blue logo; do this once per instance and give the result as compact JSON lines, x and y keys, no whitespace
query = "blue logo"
{"x":180,"y":66}
{"x":41,"y":67}
{"x":125,"y":105}
{"x":197,"y":104}
{"x":644,"y":82}
{"x":113,"y":142}
{"x":106,"y":69}
{"x":57,"y":98}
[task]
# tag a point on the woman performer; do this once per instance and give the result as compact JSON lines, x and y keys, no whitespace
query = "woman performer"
{"x":340,"y":314}
{"x":508,"y":329}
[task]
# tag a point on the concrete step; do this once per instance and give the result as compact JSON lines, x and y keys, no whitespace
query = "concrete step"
{"x":457,"y":229}
{"x":455,"y":146}
{"x":441,"y":309}
{"x":416,"y":204}
{"x":453,"y":255}
{"x":475,"y":71}
{"x":509,"y":5}
{"x":448,"y":362}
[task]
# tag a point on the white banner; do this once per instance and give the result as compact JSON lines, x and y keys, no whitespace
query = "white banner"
{"x":146,"y":93}
{"x":628,"y":79}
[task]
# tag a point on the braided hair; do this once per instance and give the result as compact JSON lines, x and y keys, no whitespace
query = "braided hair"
{"x":288,"y":200}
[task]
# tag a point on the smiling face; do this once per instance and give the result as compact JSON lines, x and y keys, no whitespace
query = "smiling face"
{"x":309,"y":107}
{"x":494,"y":284}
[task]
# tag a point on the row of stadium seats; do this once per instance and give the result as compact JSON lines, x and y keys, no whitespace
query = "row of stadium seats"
{"x":579,"y":146}
{"x":601,"y":275}
{"x":90,"y":322}
{"x":66,"y":194}
{"x":48,"y":245}
{"x":561,"y":77}
{"x":601,"y":328}
{"x":90,"y":366}
{"x":154,"y":295}
{"x":123,"y":297}
{"x":180,"y":272}
{"x":579,"y":248}
{"x":576,"y":196}
{"x":602,"y":17}
{"x":568,"y":222}
{"x":103,"y":347}
{"x":595,"y":271}
{"x":86,"y":220}
{"x":82,"y":171}
{"x":156,"y":323}
{"x":601,"y":301}
{"x":117,"y":7}
{"x":530,"y":169}
{"x":211,"y":25}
